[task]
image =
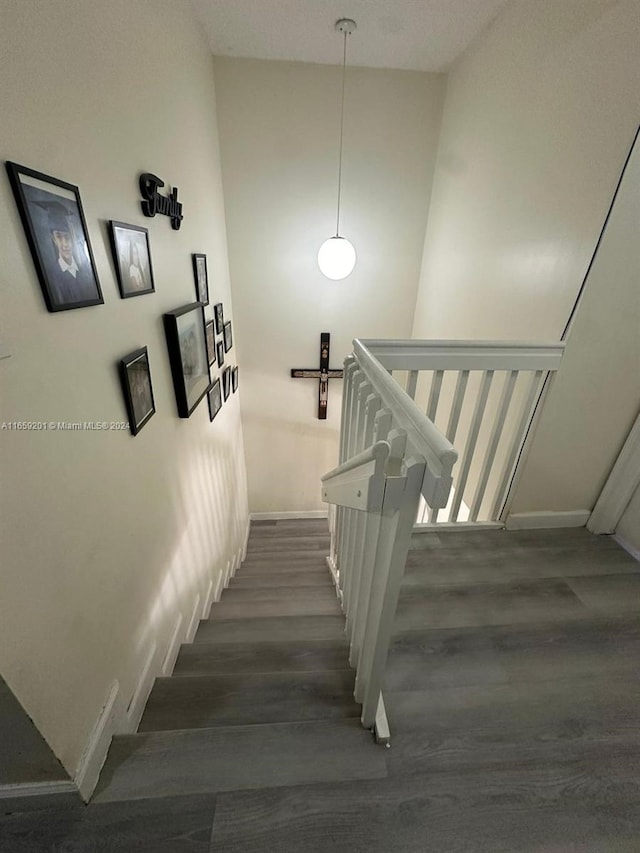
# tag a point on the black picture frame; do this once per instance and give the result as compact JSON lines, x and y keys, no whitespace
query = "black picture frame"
{"x":234,"y":379}
{"x":135,"y":376}
{"x":58,"y":237}
{"x":211,"y":342}
{"x":187,"y":346}
{"x":220,"y":353}
{"x":226,"y":382}
{"x":132,"y":256}
{"x":218,"y":313}
{"x":201,"y":277}
{"x":214,"y":397}
{"x":228,"y":336}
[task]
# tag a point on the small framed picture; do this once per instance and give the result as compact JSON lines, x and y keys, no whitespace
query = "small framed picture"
{"x":187,"y":345}
{"x":226,"y":382}
{"x":220,"y":353}
{"x":234,"y":379}
{"x":218,"y":313}
{"x":202,"y":281}
{"x":130,"y":246}
{"x":228,"y":338}
{"x":211,"y":343}
{"x":57,"y":234}
{"x":215,"y":399}
{"x":136,"y":387}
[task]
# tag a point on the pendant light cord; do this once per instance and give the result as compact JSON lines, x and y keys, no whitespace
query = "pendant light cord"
{"x":344,"y":69}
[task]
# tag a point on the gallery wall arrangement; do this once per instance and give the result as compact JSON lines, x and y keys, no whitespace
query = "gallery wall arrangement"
{"x":56,"y":230}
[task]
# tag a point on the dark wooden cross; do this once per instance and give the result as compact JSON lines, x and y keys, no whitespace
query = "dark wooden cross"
{"x":323,"y":375}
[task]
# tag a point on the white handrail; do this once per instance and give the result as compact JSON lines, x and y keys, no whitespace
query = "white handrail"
{"x":426,"y":440}
{"x":465,"y":355}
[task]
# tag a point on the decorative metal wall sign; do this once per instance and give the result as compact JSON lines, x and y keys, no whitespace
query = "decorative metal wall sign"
{"x":155,"y":203}
{"x":323,"y":375}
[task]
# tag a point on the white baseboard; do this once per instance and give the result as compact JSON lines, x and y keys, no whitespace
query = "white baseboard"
{"x":457,"y":526}
{"x":193,"y":622}
{"x":539,"y":520}
{"x":37,"y":789}
{"x":283,"y":516}
{"x":174,"y":647}
{"x":630,"y":549}
{"x":142,"y":691}
{"x":208,"y":601}
{"x":95,"y":752}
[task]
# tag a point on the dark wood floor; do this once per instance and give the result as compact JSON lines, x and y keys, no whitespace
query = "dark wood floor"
{"x":512,"y":690}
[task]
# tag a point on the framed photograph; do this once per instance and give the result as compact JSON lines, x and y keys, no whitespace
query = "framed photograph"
{"x":56,"y":230}
{"x":130,"y":247}
{"x":136,"y":387}
{"x":218,"y":313}
{"x":234,"y":379}
{"x":215,"y":399}
{"x":202,"y":281}
{"x":211,"y":342}
{"x":228,"y":338}
{"x":220,"y":353}
{"x":226,"y":382}
{"x":187,"y":345}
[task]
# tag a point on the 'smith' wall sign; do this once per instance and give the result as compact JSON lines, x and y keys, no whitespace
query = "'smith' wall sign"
{"x":155,"y":203}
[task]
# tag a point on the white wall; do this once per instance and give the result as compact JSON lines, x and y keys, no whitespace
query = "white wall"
{"x":279,"y":126}
{"x":109,"y":542}
{"x":595,"y":397}
{"x":539,"y":117}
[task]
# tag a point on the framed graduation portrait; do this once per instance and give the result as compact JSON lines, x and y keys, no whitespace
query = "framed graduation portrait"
{"x":136,"y":387}
{"x":57,"y":234}
{"x":187,"y":345}
{"x":130,"y":246}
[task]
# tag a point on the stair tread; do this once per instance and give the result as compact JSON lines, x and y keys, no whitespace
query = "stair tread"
{"x":230,"y":758}
{"x":300,"y":544}
{"x":271,"y":628}
{"x":292,"y":656}
{"x":291,"y":579}
{"x":227,"y":609}
{"x":321,"y":591}
{"x":244,"y":698}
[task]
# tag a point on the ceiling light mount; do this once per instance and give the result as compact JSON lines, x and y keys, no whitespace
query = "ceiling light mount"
{"x":337,"y":257}
{"x":346,"y":26}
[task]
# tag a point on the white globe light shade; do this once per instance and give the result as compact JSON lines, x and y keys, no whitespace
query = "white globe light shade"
{"x":336,"y":258}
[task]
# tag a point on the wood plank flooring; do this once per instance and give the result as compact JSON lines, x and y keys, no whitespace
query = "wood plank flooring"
{"x":512,"y":688}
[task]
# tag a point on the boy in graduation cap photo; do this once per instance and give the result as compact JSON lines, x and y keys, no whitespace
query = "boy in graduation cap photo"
{"x":70,"y":277}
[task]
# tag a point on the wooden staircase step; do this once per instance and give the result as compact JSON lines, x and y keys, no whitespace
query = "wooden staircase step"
{"x":284,"y":563}
{"x":275,"y":628}
{"x":293,"y":656}
{"x":236,"y":605}
{"x":158,"y":764}
{"x":247,"y":699}
{"x":299,"y":544}
{"x":321,"y":591}
{"x":289,"y":527}
{"x":290,"y":579}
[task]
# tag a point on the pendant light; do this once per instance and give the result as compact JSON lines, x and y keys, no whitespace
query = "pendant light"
{"x":337,"y":257}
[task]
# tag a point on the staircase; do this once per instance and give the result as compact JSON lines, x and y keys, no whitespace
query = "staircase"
{"x":264,"y":695}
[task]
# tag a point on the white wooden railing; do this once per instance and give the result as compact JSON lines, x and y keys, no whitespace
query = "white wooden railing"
{"x":393,"y":458}
{"x":482,"y":395}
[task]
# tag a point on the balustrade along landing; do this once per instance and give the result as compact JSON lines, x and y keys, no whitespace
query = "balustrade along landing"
{"x":396,"y":469}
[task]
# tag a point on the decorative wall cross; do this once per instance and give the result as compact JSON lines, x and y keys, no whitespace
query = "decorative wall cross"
{"x":323,"y":375}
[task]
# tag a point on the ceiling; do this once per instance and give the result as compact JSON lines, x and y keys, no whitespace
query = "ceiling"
{"x":421,"y":35}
